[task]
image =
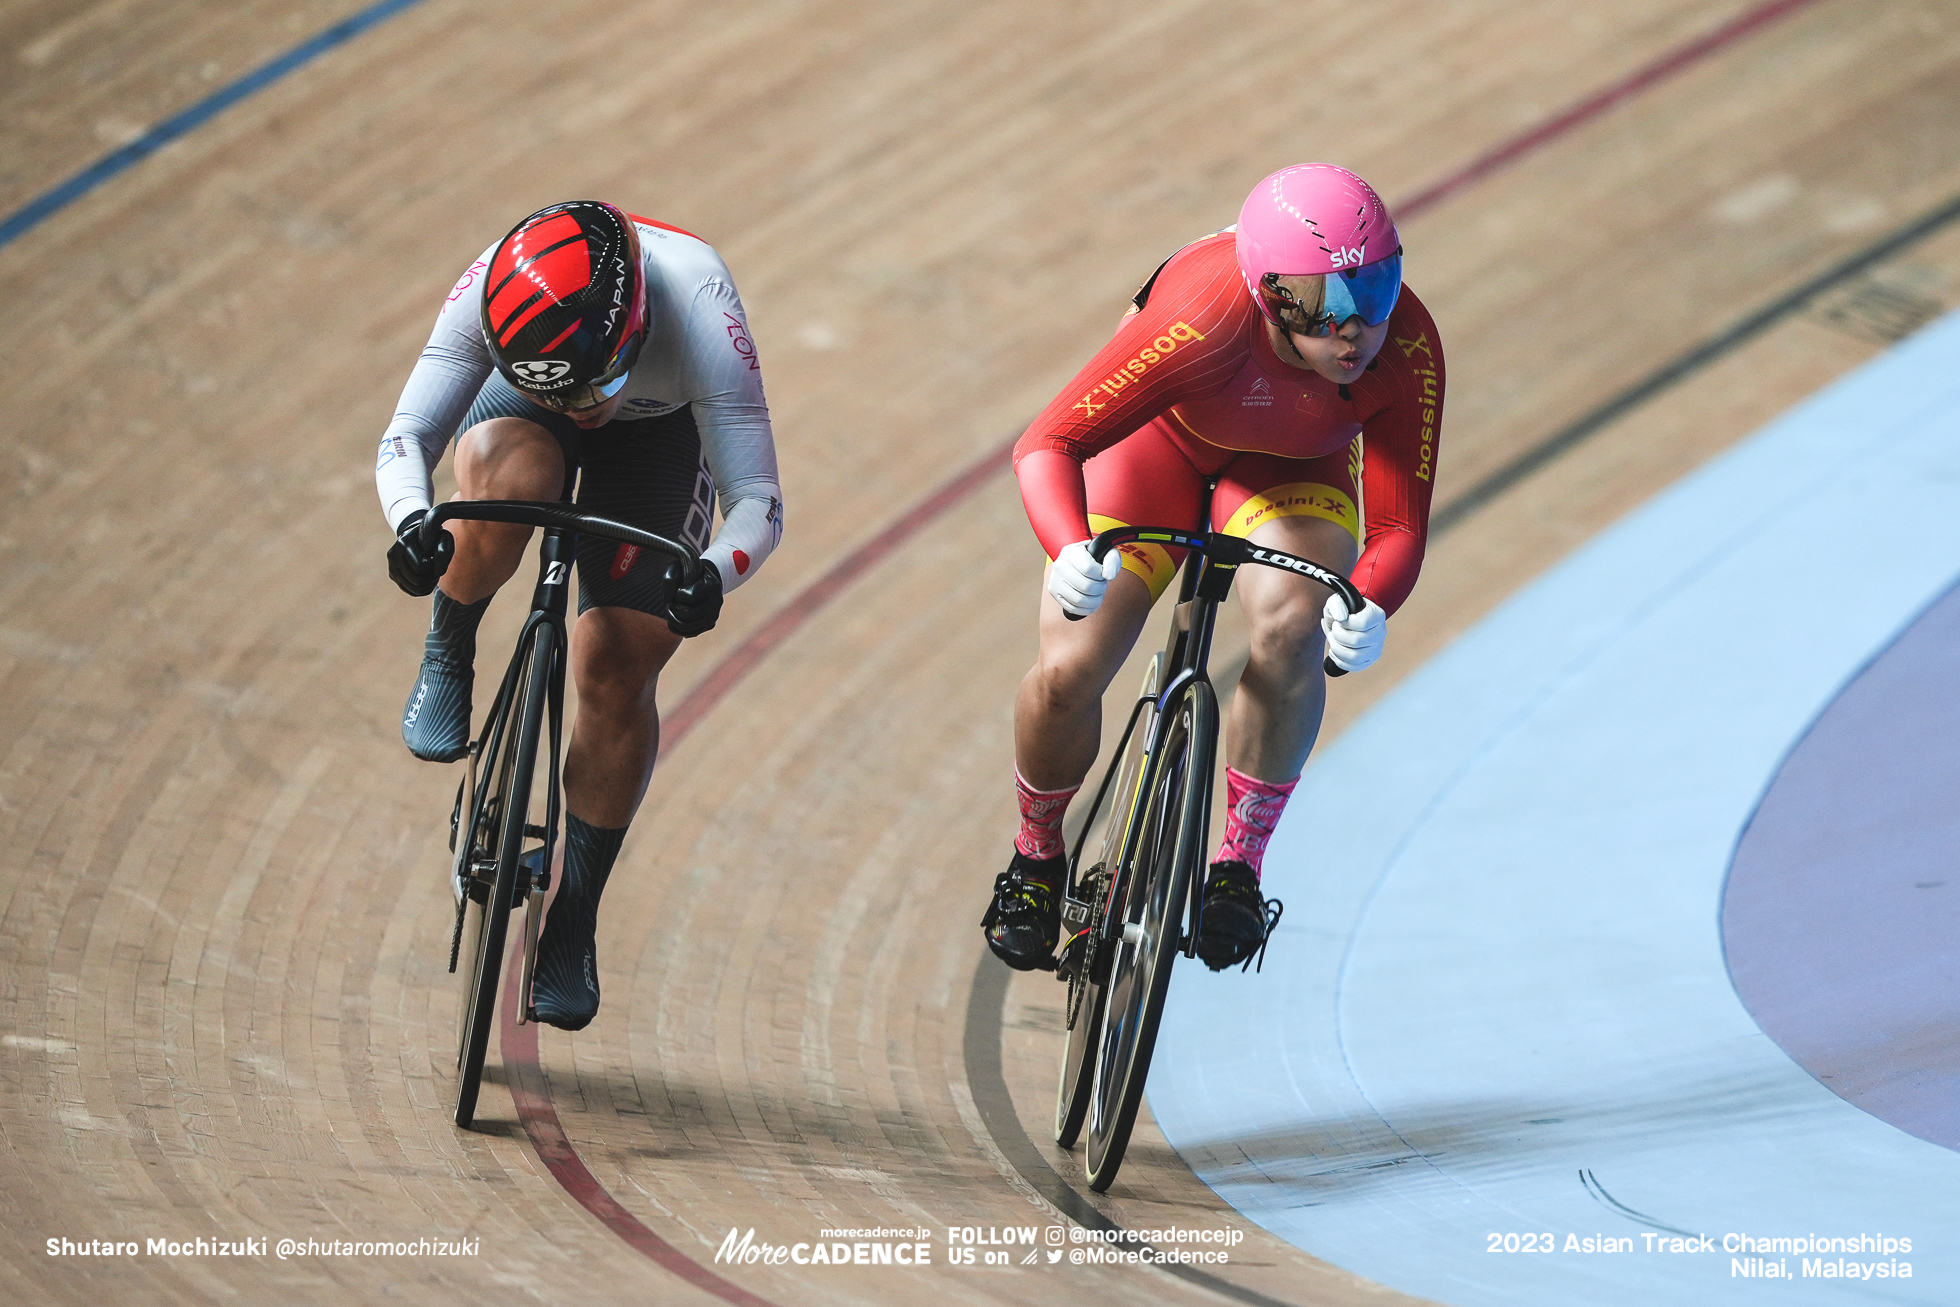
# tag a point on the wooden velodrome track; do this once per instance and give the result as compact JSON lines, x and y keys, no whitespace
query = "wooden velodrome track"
{"x":223,"y":922}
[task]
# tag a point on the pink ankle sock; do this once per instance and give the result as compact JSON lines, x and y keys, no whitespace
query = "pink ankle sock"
{"x":1252,"y":809}
{"x":1040,"y":835}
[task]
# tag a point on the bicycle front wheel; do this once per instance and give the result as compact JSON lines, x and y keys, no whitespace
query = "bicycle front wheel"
{"x":1086,"y":959}
{"x":1151,"y":911}
{"x":497,"y":823}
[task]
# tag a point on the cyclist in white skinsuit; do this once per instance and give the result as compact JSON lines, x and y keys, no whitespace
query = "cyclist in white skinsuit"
{"x":597,"y":350}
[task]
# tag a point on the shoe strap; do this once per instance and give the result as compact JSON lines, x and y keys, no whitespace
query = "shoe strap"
{"x":1272,"y":909}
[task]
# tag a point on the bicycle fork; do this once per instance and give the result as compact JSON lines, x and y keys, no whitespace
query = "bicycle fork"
{"x":548,"y":605}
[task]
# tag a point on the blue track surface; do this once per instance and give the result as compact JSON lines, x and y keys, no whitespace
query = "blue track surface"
{"x":1841,"y":917}
{"x":1499,"y":1002}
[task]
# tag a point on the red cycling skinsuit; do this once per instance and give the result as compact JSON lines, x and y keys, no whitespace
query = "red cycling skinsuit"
{"x":1190,"y":388}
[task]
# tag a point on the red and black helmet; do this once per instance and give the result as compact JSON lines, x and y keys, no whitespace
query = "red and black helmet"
{"x":564,"y":304}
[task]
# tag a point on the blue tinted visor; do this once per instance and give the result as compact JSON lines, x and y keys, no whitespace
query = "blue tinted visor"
{"x":1368,"y":293}
{"x":577,"y":398}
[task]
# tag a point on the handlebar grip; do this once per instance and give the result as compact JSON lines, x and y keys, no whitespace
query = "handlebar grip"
{"x":1099,"y":548}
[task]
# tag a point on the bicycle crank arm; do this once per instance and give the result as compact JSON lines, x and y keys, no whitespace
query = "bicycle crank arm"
{"x":538,"y":874}
{"x":532,"y":909}
{"x":1075,"y":936}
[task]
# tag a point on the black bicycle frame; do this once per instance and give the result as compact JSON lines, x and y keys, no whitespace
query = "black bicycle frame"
{"x":1205,"y":582}
{"x":558,"y":553}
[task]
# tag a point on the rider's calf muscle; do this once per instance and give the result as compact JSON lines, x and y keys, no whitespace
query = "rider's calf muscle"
{"x":617,"y":657}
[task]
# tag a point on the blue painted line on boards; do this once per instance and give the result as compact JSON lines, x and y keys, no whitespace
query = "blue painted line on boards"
{"x":35,"y":211}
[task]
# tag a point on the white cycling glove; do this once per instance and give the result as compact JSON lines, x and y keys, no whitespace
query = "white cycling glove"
{"x":1077,"y":580}
{"x":1354,"y":640}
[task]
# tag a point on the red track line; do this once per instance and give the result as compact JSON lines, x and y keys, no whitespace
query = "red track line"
{"x":804,"y":604}
{"x":1593,"y":106}
{"x":519,"y":1044}
{"x":534,"y":1108}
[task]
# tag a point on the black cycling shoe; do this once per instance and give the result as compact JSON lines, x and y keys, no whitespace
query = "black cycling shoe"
{"x":436,"y":722}
{"x":1237,"y":921}
{"x":565,"y":984}
{"x":1025,"y":918}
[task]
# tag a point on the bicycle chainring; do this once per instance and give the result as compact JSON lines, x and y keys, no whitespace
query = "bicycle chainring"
{"x":1076,"y":958}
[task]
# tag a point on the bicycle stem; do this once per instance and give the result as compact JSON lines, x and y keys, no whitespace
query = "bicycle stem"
{"x":1212,"y":581}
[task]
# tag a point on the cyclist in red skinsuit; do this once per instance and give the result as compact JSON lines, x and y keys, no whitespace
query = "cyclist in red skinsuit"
{"x":1320,"y":446}
{"x":1220,"y":402}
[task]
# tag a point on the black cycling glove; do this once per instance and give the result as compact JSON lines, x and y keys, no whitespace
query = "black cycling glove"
{"x":694,"y":608}
{"x":413,"y":566}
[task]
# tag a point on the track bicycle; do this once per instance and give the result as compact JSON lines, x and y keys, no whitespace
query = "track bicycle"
{"x":1139,"y":904}
{"x":501,"y":858}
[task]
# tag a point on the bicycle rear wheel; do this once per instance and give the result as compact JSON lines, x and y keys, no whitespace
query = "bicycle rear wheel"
{"x":1106,"y":833}
{"x":1151,"y":910}
{"x":496,"y":830}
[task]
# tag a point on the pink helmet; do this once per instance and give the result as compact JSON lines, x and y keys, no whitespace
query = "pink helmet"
{"x":1312,"y":217}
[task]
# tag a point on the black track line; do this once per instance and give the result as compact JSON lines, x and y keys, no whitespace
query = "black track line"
{"x":988,"y":1083}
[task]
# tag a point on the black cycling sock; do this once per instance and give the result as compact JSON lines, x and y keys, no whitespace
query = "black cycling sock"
{"x":590,"y":852}
{"x":452,"y":629}
{"x":565,"y":988}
